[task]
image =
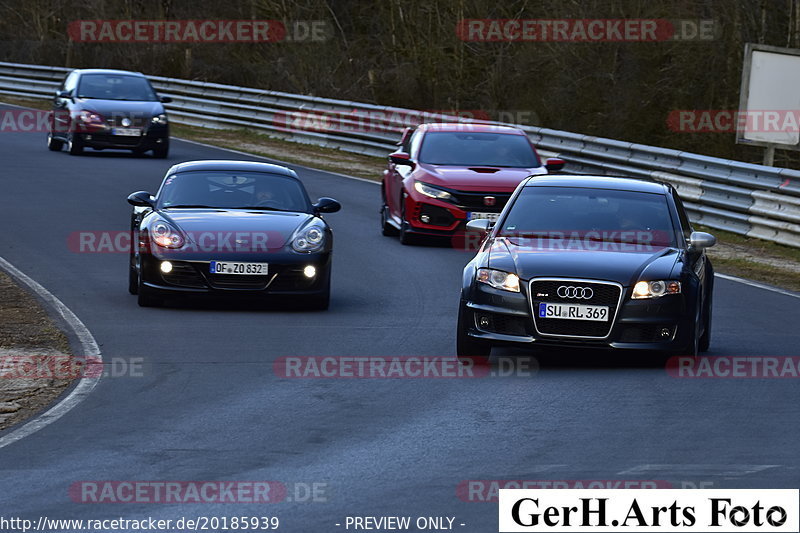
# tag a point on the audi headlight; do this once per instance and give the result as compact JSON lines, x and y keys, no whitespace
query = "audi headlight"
{"x":433,"y":192}
{"x":310,"y":239}
{"x":159,"y":119}
{"x":505,"y":281}
{"x":655,"y":289}
{"x":166,"y":236}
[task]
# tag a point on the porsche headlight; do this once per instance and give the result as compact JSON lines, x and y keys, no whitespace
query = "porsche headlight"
{"x":166,"y":236}
{"x":159,"y":119}
{"x":433,"y":192}
{"x":505,"y":281}
{"x":309,"y":239}
{"x":655,"y":289}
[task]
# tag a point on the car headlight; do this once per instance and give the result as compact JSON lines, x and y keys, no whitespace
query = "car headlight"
{"x":165,"y":235}
{"x":505,"y":281}
{"x":159,"y":119}
{"x":433,"y":192}
{"x":90,"y":117}
{"x":655,"y":289}
{"x":310,"y":239}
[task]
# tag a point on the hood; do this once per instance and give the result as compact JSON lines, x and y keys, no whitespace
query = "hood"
{"x":474,"y":178}
{"x":225,"y":226}
{"x":107,"y":108}
{"x":625,"y":264}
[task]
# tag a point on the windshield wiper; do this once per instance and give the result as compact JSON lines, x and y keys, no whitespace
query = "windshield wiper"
{"x":189,"y":206}
{"x":258,"y":208}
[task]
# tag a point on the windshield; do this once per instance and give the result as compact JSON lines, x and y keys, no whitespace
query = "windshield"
{"x":233,"y":190}
{"x":478,"y":149}
{"x":115,"y":87}
{"x":590,"y":215}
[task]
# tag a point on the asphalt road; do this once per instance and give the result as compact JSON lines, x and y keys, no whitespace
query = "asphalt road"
{"x":210,"y":407}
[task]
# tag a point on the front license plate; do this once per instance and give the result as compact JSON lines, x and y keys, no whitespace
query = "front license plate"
{"x":129,"y":132}
{"x":246,"y":269}
{"x":598,"y":313}
{"x":491,"y":217}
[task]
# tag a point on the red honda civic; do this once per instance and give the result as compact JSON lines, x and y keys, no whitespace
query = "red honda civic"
{"x":444,"y":175}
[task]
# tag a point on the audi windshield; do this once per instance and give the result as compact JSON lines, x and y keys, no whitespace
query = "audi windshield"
{"x":595,"y":214}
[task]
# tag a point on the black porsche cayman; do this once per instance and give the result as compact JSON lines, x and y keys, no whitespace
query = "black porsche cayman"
{"x":230,"y":228}
{"x":586,"y":262}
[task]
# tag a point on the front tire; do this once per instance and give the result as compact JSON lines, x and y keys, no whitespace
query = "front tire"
{"x":161,"y":151}
{"x":74,"y":145}
{"x":53,"y":144}
{"x":146,"y":299}
{"x":406,"y":237}
{"x":468,"y":347}
{"x":705,"y":338}
{"x":386,"y":228}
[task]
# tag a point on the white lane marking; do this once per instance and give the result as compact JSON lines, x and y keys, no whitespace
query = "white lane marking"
{"x":757,"y":285}
{"x":89,"y":348}
{"x":689,"y":470}
{"x":285,"y":163}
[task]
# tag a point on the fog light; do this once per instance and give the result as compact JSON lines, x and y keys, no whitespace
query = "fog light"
{"x":484,"y":321}
{"x":166,"y":267}
{"x":310,"y":271}
{"x":425,"y":218}
{"x":665,"y":332}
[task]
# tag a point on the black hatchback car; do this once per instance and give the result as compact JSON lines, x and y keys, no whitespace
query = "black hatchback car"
{"x":588,"y":262}
{"x":102,"y":109}
{"x":237,"y":229}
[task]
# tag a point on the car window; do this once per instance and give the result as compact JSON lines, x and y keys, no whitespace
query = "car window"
{"x":413,"y":143}
{"x":228,"y":189}
{"x":602,"y":214}
{"x":465,"y":148}
{"x":69,"y":82}
{"x":686,"y":226}
{"x":115,"y":87}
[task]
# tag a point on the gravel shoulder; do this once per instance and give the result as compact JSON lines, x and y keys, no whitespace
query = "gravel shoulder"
{"x":34,"y":356}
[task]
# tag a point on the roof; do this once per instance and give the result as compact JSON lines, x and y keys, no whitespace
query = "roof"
{"x":597,"y":182}
{"x":108,"y":71}
{"x":231,"y":164}
{"x":471,"y":127}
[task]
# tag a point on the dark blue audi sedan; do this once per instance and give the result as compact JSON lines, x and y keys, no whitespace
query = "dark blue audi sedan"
{"x":589,"y":262}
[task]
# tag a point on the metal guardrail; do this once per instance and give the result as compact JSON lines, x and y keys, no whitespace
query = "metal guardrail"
{"x":742,"y":198}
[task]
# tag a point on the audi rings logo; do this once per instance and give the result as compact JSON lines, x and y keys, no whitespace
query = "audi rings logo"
{"x":565,"y":291}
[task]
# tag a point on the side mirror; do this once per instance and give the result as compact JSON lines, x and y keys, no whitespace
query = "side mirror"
{"x":141,"y":199}
{"x":406,"y":134}
{"x":700,"y":240}
{"x":481,"y":225}
{"x":64,"y":94}
{"x":401,"y":158}
{"x":554,"y":164}
{"x":327,"y":205}
{"x":166,"y":99}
